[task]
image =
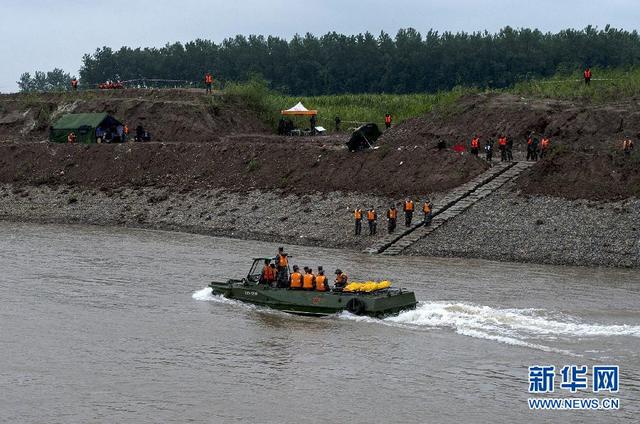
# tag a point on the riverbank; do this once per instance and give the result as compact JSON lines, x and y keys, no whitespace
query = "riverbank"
{"x":506,"y":226}
{"x":511,"y":226}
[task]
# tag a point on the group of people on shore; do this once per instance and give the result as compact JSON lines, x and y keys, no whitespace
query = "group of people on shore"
{"x":537,"y":147}
{"x":408,"y":208}
{"x":275,"y":273}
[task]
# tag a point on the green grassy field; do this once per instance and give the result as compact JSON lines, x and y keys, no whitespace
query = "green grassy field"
{"x":354,"y":109}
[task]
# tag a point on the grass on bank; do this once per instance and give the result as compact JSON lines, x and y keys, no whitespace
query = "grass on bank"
{"x":606,"y":85}
{"x":353,"y":109}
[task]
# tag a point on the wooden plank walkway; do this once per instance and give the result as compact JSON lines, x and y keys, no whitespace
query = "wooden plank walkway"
{"x":453,"y":204}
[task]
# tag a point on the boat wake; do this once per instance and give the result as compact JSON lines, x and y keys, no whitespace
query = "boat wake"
{"x":518,"y":327}
{"x":206,"y":294}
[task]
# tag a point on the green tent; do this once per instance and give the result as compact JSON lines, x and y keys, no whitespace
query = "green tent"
{"x":84,"y":126}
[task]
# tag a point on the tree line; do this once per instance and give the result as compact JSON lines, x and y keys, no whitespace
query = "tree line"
{"x":56,"y":80}
{"x":410,"y":62}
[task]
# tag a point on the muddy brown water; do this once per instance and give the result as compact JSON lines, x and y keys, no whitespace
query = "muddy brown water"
{"x":116,"y":325}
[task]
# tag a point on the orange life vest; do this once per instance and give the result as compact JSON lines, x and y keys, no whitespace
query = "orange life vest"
{"x":296,"y":280}
{"x":627,"y":144}
{"x":371,"y":215}
{"x":126,"y":129}
{"x":426,"y":208}
{"x":320,"y":283}
{"x":341,"y":279}
{"x":502,"y":141}
{"x":392,"y":213}
{"x":387,"y":119}
{"x":74,"y":83}
{"x":544,"y":143}
{"x":529,"y":141}
{"x":208,"y":79}
{"x":408,"y":206}
{"x":587,"y":73}
{"x":475,"y":143}
{"x":358,"y":214}
{"x":268,"y":273}
{"x":71,"y":138}
{"x":283,"y":261}
{"x":307,"y":281}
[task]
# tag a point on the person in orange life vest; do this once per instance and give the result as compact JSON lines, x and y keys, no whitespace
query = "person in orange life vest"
{"x":357,"y":214}
{"x":321,"y":281}
{"x":372,"y":218}
{"x":71,"y":138}
{"x":282,"y":264}
{"x":408,"y":212}
{"x":587,"y":76}
{"x":530,"y":147}
{"x":627,"y":146}
{"x":268,"y":274}
{"x":295,"y":279}
{"x":341,"y":280}
{"x":392,"y":217}
{"x":387,"y":120}
{"x":74,"y":84}
{"x":308,"y":279}
{"x":545,"y":145}
{"x":208,"y":82}
{"x":426,"y":210}
{"x":502,"y":145}
{"x":475,"y":145}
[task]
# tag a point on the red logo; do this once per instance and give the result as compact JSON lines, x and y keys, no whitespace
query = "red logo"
{"x":316,"y":300}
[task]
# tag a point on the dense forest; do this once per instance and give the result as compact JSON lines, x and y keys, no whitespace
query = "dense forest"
{"x":411,"y":62}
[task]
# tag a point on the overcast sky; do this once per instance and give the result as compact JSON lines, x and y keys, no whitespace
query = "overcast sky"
{"x":44,"y":34}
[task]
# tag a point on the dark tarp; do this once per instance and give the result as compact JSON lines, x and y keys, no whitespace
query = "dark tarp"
{"x":364,"y":137}
{"x":82,"y":124}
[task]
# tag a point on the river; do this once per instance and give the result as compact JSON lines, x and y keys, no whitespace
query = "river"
{"x":116,"y":325}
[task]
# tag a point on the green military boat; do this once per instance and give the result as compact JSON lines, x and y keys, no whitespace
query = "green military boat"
{"x":378,"y":303}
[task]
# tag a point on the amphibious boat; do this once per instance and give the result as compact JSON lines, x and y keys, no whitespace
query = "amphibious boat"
{"x":381,"y":302}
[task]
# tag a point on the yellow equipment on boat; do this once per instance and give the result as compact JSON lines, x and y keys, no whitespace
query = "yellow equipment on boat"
{"x":367,"y":287}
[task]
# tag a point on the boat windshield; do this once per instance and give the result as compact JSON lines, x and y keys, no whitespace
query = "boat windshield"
{"x":256,"y":270}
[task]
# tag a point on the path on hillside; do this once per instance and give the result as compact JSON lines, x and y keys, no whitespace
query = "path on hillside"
{"x":453,"y":204}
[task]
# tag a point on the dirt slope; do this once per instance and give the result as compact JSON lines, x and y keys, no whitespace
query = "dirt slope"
{"x":170,"y":115}
{"x":586,"y":161}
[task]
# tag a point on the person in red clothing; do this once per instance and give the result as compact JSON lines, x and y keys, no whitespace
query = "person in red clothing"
{"x":587,"y":76}
{"x":208,"y":82}
{"x":387,"y":120}
{"x":475,"y":145}
{"x":502,"y":145}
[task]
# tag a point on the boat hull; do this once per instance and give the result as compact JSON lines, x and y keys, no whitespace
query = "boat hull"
{"x":381,"y":303}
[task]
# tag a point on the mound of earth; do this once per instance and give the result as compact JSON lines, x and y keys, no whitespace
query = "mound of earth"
{"x":177,"y":115}
{"x":296,"y":164}
{"x":586,"y":159}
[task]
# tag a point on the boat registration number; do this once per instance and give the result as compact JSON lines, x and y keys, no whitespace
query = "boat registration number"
{"x":250,"y":293}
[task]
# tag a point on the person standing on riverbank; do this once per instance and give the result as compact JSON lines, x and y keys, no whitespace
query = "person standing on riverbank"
{"x":372,"y":217}
{"x":408,"y":212}
{"x":426,"y":210}
{"x":488,"y":150}
{"x":208,"y":82}
{"x":587,"y":76}
{"x":545,"y":144}
{"x":357,"y":214}
{"x":627,"y":147}
{"x":392,"y":217}
{"x":475,"y":146}
{"x":502,"y":145}
{"x":510,"y":150}
{"x":387,"y":120}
